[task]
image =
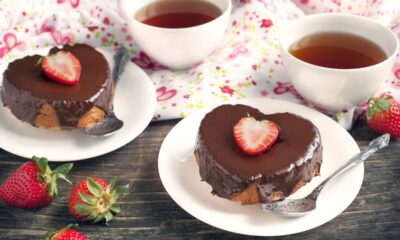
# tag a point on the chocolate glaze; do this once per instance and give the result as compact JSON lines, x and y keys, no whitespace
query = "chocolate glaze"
{"x":26,"y":88}
{"x":230,"y":171}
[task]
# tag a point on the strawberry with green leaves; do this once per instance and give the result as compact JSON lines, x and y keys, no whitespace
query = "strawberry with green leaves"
{"x":383,"y":115}
{"x":33,"y":184}
{"x":94,"y":200}
{"x":67,"y":233}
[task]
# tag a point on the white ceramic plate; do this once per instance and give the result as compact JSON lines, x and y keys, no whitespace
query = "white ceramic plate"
{"x":134,"y":103}
{"x":182,"y":181}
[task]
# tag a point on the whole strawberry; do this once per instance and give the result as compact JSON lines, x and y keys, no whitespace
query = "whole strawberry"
{"x":383,"y":115}
{"x":33,"y":184}
{"x":94,"y":200}
{"x":67,"y":233}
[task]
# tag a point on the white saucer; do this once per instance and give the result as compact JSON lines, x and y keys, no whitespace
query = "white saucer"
{"x":134,"y":103}
{"x":182,"y":181}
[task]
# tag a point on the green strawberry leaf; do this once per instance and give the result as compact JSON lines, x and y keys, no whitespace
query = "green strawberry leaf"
{"x":49,"y":177}
{"x":84,"y":209}
{"x":64,"y":169}
{"x":376,"y":105}
{"x":384,"y":105}
{"x":92,"y":216}
{"x":87,"y":198}
{"x":115,"y":208}
{"x":52,"y":185}
{"x":99,"y":218}
{"x":50,"y":235}
{"x":100,"y":204}
{"x":108,"y":216}
{"x":41,"y":177}
{"x":63,"y":177}
{"x":370,"y":113}
{"x":94,"y":187}
{"x":118,"y":190}
{"x":111,"y":185}
{"x":42,"y":163}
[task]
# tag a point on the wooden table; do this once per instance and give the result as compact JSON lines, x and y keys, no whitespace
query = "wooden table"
{"x":149,"y":212}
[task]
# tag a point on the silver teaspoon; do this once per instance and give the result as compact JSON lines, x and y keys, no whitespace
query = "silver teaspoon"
{"x":111,"y":123}
{"x":300,"y":207}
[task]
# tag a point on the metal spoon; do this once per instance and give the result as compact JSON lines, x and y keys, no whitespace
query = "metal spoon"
{"x":111,"y":123}
{"x":300,"y":207}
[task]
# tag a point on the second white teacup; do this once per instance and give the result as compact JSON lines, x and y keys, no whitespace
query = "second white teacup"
{"x":331,"y":88}
{"x":177,"y":48}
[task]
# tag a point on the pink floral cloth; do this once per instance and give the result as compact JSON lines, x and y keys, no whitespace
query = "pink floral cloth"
{"x":246,"y":65}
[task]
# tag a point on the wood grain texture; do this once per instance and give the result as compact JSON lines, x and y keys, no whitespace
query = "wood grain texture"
{"x":149,"y":212}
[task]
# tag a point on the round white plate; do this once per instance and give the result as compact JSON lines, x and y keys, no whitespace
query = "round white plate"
{"x":134,"y":104}
{"x":182,"y":181}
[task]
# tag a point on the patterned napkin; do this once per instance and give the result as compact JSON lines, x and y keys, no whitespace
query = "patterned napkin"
{"x":246,"y":65}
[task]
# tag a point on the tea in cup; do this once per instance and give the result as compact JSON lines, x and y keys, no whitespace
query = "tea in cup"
{"x":337,"y":61}
{"x":177,"y":33}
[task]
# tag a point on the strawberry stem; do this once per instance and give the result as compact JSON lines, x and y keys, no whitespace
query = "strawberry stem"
{"x":376,"y":105}
{"x":102,"y":203}
{"x":39,"y":61}
{"x":49,"y":235}
{"x":50,"y":177}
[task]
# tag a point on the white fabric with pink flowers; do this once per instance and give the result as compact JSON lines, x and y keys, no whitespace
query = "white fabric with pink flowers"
{"x":247,"y":65}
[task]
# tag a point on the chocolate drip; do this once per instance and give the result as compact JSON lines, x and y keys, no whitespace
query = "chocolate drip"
{"x":26,"y":88}
{"x":230,"y":171}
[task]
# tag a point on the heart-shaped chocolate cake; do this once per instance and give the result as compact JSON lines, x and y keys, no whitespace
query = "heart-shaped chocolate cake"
{"x":293,"y":160}
{"x":35,"y":98}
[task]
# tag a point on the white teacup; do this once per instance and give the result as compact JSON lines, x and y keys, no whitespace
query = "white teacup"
{"x":177,"y":48}
{"x":330,"y":88}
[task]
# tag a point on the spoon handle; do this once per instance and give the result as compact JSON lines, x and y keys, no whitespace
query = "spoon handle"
{"x":375,"y":145}
{"x":121,"y":57}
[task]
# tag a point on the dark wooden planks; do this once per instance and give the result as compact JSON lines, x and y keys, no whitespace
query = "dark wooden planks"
{"x":149,"y":212}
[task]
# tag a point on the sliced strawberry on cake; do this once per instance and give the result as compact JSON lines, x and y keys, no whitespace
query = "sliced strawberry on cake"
{"x":62,"y":67}
{"x":255,"y":137}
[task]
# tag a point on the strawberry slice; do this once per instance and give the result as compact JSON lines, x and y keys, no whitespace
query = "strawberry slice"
{"x":62,"y":67}
{"x":255,"y":137}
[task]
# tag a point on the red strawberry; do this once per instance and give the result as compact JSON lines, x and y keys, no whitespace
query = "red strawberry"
{"x":383,"y":115}
{"x":94,"y":200}
{"x":255,"y":137}
{"x":62,"y":67}
{"x":67,"y":233}
{"x":33,"y":184}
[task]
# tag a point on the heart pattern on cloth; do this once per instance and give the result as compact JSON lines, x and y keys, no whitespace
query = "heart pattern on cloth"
{"x":61,"y":39}
{"x":10,"y":42}
{"x":163,"y":94}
